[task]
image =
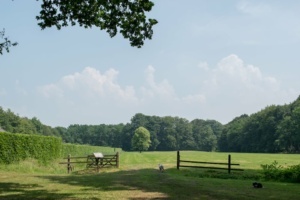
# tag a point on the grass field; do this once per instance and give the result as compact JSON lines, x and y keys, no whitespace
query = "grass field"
{"x":138,"y":178}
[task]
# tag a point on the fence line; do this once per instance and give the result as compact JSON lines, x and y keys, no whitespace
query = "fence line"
{"x":228,"y":164}
{"x":93,"y":162}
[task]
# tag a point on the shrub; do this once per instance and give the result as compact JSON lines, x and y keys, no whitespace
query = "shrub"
{"x":276,"y":172}
{"x":271,"y":171}
{"x":293,"y":173}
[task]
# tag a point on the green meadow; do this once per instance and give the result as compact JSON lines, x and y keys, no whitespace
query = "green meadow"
{"x":139,"y":178}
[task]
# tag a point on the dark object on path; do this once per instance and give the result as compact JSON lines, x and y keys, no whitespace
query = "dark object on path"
{"x":257,"y":185}
{"x":161,"y":168}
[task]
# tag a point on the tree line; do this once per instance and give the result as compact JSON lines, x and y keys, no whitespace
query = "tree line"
{"x":273,"y":129}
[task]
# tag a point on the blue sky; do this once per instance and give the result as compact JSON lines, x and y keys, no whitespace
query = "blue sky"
{"x":208,"y":59}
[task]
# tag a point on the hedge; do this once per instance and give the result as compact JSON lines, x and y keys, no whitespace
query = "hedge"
{"x":17,"y":147}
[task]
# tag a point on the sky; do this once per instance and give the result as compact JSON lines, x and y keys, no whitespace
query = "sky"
{"x":208,"y":59}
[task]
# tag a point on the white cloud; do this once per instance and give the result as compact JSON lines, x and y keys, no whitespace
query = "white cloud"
{"x":253,"y":9}
{"x":161,"y":98}
{"x":90,"y":83}
{"x":230,"y":89}
{"x":153,"y":89}
{"x":233,"y":69}
{"x":232,"y":73}
{"x":89,"y":97}
{"x":234,"y":88}
{"x":92,"y":93}
{"x":165,"y":92}
{"x":51,"y":90}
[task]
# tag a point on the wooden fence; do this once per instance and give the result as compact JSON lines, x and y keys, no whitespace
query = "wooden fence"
{"x":92,"y":161}
{"x":212,"y":164}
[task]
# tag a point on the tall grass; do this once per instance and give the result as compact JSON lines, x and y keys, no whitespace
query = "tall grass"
{"x":32,"y":166}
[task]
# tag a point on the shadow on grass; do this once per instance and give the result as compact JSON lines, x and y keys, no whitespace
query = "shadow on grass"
{"x":9,"y":191}
{"x":143,"y":183}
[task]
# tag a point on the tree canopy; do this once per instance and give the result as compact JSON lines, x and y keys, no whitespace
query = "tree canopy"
{"x":141,"y":139}
{"x":125,"y":16}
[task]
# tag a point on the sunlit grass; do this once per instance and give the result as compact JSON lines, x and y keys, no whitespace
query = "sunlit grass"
{"x":246,"y":160}
{"x":139,"y":178}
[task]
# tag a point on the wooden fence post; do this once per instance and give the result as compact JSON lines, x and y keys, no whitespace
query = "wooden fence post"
{"x":69,"y":164}
{"x":178,"y":160}
{"x":229,"y":163}
{"x":117,"y":160}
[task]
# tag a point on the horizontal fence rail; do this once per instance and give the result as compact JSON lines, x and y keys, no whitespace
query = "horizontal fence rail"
{"x":202,"y":164}
{"x":92,"y":162}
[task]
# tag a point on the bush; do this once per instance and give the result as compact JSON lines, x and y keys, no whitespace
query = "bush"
{"x":293,"y":173}
{"x":276,"y":172}
{"x":272,"y":171}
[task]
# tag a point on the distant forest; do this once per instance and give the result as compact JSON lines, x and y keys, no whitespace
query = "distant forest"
{"x":273,"y":129}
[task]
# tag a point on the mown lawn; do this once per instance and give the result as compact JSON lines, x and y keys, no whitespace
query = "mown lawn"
{"x":138,"y":178}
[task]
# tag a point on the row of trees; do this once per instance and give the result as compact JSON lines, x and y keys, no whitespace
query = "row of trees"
{"x":166,"y":133}
{"x":13,"y":123}
{"x":273,"y":129}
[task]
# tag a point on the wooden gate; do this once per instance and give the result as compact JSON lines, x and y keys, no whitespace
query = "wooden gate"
{"x":101,"y":162}
{"x":93,"y":161}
